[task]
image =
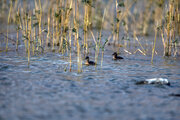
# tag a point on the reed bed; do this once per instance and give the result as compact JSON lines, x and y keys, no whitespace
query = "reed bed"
{"x":59,"y":26}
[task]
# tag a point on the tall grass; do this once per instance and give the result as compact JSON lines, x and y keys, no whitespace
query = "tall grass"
{"x":67,"y":18}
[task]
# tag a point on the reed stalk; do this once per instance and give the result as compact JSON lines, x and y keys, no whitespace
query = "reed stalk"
{"x":17,"y":41}
{"x":76,"y":21}
{"x":103,"y":48}
{"x":54,"y":34}
{"x":26,"y":32}
{"x":61,"y":24}
{"x":18,"y":28}
{"x":40,"y":19}
{"x":83,"y":14}
{"x":169,"y":29}
{"x":100,"y":35}
{"x":154,"y":45}
{"x":163,"y":41}
{"x":9,"y":15}
{"x":48,"y":32}
{"x":24,"y":27}
{"x":86,"y":21}
{"x":29,"y":37}
{"x":57,"y":22}
{"x":97,"y":47}
{"x":79,"y":61}
{"x":34,"y":41}
{"x":118,"y":12}
{"x":70,"y":61}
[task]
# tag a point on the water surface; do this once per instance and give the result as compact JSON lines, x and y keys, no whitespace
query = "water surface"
{"x":46,"y":91}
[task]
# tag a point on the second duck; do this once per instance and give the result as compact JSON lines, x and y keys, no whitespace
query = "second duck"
{"x":116,"y":57}
{"x":88,"y":62}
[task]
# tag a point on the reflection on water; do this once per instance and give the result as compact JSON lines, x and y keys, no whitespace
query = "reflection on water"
{"x":45,"y":91}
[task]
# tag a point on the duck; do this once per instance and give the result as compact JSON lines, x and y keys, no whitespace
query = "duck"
{"x":158,"y":81}
{"x":116,"y":57}
{"x":88,"y":62}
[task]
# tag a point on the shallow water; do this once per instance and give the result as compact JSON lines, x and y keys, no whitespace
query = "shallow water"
{"x":46,"y":91}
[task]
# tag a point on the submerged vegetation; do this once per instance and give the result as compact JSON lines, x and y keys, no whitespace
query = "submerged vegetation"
{"x":68,"y":26}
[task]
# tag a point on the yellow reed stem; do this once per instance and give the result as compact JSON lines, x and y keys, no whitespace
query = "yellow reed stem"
{"x":26,"y":32}
{"x":17,"y":35}
{"x":60,"y":23}
{"x":118,"y":22}
{"x":34,"y":41}
{"x":139,"y":43}
{"x":100,"y":34}
{"x":53,"y":29}
{"x":102,"y":56}
{"x":168,"y":32}
{"x":29,"y":39}
{"x":7,"y":40}
{"x":17,"y":41}
{"x":154,"y":46}
{"x":79,"y":58}
{"x":70,"y":61}
{"x":85,"y":28}
{"x":40,"y":18}
{"x":163,"y":41}
{"x":48,"y":34}
{"x":97,"y":47}
{"x":79,"y":55}
{"x":57,"y":22}
{"x":8,"y":24}
{"x":62,"y":32}
{"x":171,"y":29}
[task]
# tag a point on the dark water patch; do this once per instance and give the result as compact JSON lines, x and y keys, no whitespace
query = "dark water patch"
{"x":3,"y":78}
{"x":5,"y":82}
{"x":175,"y":94}
{"x":2,"y":118}
{"x":80,"y":108}
{"x":3,"y":67}
{"x":112,"y":80}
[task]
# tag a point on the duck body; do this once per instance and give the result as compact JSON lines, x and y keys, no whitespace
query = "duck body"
{"x":116,"y":57}
{"x":88,"y":62}
{"x":158,"y":81}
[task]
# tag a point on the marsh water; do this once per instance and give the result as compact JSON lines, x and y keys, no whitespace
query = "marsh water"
{"x":46,"y":90}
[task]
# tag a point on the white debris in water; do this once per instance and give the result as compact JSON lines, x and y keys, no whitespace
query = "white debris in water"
{"x":157,"y":81}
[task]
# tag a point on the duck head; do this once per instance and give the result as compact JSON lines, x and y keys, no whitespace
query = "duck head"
{"x":114,"y":55}
{"x":87,"y":60}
